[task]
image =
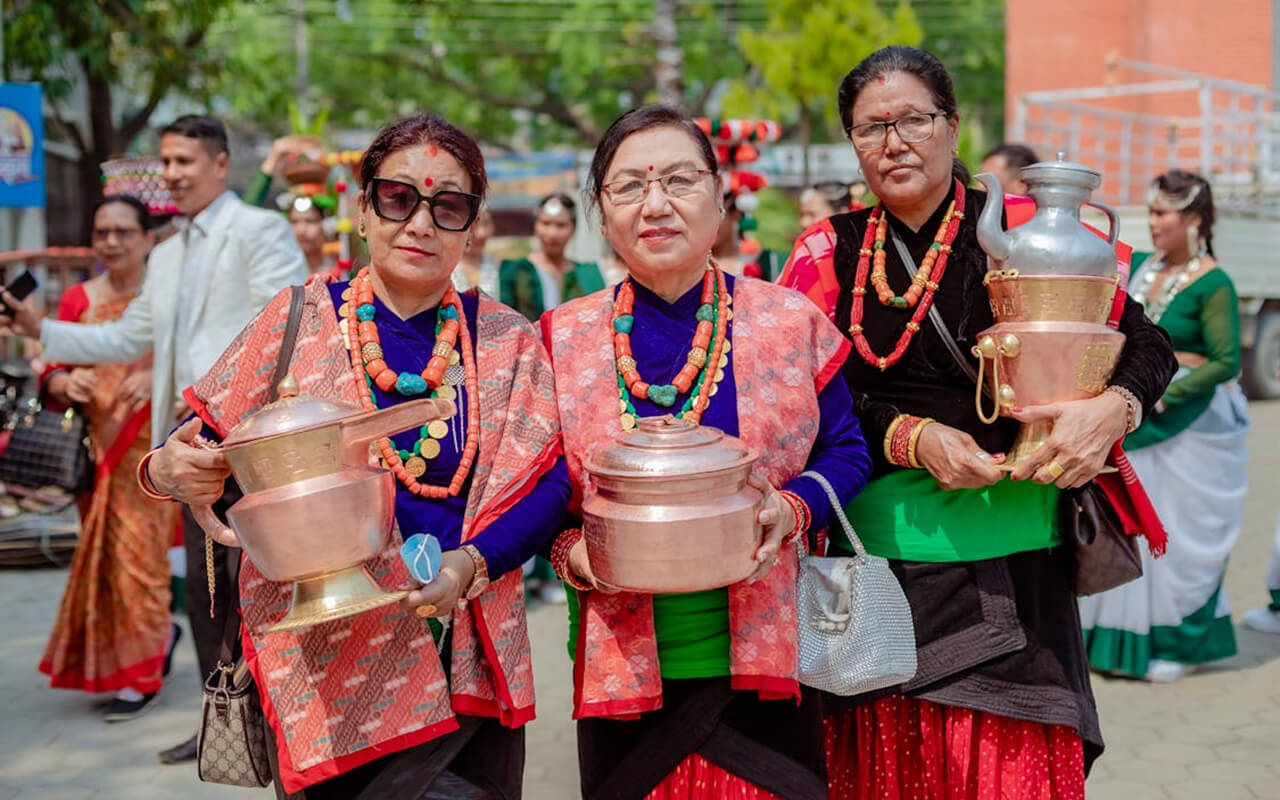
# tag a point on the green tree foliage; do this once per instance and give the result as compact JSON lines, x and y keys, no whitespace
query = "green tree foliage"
{"x":524,"y":74}
{"x":125,"y":55}
{"x":799,"y":55}
{"x":969,"y":38}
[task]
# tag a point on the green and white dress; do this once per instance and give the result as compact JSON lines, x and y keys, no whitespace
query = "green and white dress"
{"x":1191,"y":459}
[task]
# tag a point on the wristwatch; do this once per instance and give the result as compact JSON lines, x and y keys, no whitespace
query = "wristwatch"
{"x":480,"y":581}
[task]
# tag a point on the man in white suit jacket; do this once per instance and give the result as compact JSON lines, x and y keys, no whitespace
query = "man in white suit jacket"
{"x":203,"y":285}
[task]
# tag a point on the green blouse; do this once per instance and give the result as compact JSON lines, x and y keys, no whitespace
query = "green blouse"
{"x":1203,"y":318}
{"x":520,"y":287}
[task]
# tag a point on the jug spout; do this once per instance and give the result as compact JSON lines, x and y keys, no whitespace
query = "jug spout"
{"x":357,"y":432}
{"x":991,"y":236}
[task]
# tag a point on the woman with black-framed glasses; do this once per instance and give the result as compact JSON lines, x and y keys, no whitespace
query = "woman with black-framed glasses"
{"x":436,"y":698}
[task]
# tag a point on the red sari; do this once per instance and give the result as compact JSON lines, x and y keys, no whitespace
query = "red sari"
{"x":113,"y":622}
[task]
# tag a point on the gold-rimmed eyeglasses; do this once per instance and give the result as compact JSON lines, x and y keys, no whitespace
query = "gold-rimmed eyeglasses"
{"x":629,"y":191}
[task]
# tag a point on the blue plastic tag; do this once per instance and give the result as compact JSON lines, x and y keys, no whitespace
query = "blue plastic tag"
{"x":421,"y":554}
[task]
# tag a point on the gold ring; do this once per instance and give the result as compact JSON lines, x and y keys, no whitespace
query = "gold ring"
{"x":1055,"y":469}
{"x":425,"y":611}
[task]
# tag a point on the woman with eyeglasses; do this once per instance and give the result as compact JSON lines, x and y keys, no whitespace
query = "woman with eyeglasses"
{"x":695,"y":695}
{"x":364,"y":703}
{"x":1001,"y":704}
{"x":114,"y":632}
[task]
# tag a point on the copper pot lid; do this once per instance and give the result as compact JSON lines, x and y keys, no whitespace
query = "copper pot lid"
{"x":291,"y":413}
{"x":666,"y":447}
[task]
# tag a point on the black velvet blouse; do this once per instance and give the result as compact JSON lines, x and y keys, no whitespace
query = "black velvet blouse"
{"x":927,"y":382}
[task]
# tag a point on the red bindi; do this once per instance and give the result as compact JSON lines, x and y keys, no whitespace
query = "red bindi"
{"x":428,"y":182}
{"x":432,"y":151}
{"x":651,"y":168}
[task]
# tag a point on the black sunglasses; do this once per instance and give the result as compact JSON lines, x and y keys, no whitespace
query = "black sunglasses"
{"x":397,"y":201}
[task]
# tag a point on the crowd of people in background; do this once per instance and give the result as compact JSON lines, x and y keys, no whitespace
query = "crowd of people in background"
{"x":561,"y":355}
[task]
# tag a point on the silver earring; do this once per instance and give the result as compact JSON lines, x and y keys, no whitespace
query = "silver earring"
{"x":1194,"y":243}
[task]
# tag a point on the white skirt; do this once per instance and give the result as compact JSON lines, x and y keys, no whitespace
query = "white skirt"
{"x":1178,"y":609}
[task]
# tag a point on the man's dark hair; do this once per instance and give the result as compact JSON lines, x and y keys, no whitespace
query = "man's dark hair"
{"x":1016,"y":156}
{"x":197,"y":126}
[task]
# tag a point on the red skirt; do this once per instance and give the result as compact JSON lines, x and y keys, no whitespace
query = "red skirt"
{"x":901,"y":748}
{"x":696,"y":778}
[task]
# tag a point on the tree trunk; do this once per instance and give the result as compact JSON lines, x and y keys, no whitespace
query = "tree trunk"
{"x":99,"y":146}
{"x":669,"y":71}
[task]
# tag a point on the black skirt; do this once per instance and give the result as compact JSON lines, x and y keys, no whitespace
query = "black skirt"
{"x":482,"y":760}
{"x":774,"y":744}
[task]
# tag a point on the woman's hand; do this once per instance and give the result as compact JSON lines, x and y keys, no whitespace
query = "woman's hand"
{"x":441,"y":596}
{"x":955,"y":460}
{"x":191,"y":474}
{"x":74,"y":387}
{"x":135,"y":391}
{"x":1082,"y":436}
{"x":580,"y":566}
{"x":778,"y":519}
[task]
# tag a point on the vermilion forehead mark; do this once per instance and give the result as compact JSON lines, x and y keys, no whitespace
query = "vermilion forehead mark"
{"x":432,"y":151}
{"x":651,"y":168}
{"x":880,"y":79}
{"x":886,"y":115}
{"x":428,"y":182}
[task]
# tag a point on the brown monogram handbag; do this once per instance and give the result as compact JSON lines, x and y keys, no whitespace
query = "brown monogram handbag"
{"x":231,"y":746}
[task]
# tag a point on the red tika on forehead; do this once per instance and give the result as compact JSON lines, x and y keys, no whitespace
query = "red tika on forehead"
{"x":880,"y":78}
{"x":428,"y":182}
{"x":432,"y":151}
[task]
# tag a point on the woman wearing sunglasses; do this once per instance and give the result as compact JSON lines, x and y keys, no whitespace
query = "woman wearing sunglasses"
{"x":364,"y":704}
{"x":695,"y":695}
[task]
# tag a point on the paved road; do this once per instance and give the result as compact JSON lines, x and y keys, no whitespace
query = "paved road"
{"x":1215,"y":735}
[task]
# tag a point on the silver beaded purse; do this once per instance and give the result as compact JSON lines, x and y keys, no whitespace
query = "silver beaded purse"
{"x":855,"y":629}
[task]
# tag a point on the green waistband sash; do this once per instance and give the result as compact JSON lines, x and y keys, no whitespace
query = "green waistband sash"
{"x":905,"y":515}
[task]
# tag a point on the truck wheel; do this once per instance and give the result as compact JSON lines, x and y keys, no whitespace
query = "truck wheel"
{"x":1261,"y":369}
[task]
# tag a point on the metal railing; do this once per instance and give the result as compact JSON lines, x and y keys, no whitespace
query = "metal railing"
{"x":1233,"y":138}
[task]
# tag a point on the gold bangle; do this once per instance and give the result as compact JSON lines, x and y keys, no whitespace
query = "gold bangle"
{"x":888,"y":437}
{"x":915,"y":438}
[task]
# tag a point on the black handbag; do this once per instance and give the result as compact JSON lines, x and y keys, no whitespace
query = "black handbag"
{"x":49,"y":448}
{"x":1105,"y":556}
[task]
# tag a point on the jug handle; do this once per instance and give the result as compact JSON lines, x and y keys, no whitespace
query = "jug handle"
{"x":214,"y":527}
{"x":1114,"y":234}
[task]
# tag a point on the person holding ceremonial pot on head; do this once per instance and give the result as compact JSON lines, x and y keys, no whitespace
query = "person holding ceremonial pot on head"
{"x":489,"y":483}
{"x":682,"y":362}
{"x":1001,"y":704}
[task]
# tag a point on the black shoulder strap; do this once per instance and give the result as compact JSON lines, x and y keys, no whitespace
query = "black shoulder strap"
{"x":934,"y":317}
{"x":290,"y":339}
{"x":231,"y":634}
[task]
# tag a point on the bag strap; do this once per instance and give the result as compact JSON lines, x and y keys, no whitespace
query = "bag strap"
{"x":934,"y":317}
{"x":290,"y":339}
{"x":231,"y":633}
{"x":839,"y":512}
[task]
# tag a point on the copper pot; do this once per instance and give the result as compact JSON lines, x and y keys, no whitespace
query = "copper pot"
{"x":314,"y":510}
{"x":672,"y":510}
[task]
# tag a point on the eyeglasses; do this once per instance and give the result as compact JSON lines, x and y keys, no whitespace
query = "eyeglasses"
{"x":396,"y":201}
{"x":629,"y":191}
{"x":911,"y":128}
{"x":122,"y":234}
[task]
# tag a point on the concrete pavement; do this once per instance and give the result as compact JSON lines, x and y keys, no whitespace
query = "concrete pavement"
{"x":1214,"y":735}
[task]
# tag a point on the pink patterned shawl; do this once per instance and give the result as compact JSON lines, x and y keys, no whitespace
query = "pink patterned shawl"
{"x":346,"y":692}
{"x":784,"y":353}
